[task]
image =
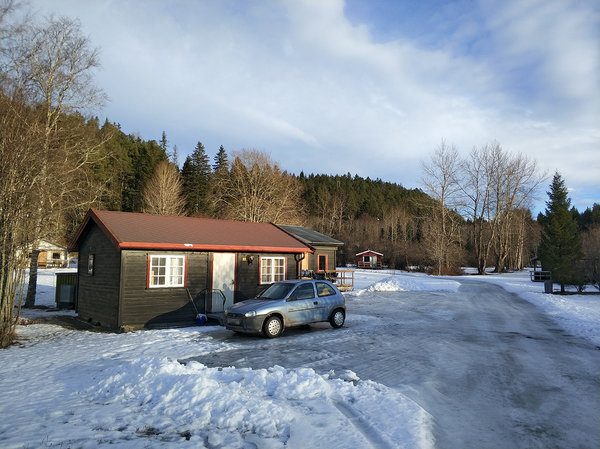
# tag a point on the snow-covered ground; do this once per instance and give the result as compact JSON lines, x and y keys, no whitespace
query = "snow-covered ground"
{"x":69,"y":388}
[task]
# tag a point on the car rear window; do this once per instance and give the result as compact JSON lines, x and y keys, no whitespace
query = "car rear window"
{"x":324,"y":289}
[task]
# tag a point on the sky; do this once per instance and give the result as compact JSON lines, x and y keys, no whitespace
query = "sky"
{"x":369,"y":88}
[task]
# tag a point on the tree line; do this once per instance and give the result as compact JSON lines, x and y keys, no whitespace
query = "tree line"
{"x":57,"y":160}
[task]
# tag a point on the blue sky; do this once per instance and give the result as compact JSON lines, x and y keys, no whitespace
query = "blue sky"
{"x":361,"y":87}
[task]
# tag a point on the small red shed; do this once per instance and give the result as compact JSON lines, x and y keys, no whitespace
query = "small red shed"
{"x":369,"y":259}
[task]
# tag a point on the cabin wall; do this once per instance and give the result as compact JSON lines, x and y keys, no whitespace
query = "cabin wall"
{"x":116,"y":293}
{"x":142,"y":306}
{"x":98,"y":291}
{"x":313,"y":263}
{"x":248,"y":274}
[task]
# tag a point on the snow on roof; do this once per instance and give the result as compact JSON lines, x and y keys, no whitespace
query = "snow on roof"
{"x":369,"y":251}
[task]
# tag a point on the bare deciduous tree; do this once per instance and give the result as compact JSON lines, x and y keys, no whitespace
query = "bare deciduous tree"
{"x":591,"y":254}
{"x":256,"y":190}
{"x":19,"y":141}
{"x":45,"y":73}
{"x":496,"y":185}
{"x":440,"y":180}
{"x":49,"y":66}
{"x":163,"y":193}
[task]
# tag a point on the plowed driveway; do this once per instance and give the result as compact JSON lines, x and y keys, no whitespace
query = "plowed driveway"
{"x":492,"y":370}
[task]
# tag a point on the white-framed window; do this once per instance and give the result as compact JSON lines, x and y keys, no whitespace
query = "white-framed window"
{"x":166,"y":271}
{"x":272,"y":269}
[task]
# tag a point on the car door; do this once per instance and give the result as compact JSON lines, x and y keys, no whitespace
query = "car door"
{"x":302,"y":305}
{"x":327,"y":298}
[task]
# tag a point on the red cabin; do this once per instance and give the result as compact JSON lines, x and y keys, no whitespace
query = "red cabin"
{"x":369,"y":259}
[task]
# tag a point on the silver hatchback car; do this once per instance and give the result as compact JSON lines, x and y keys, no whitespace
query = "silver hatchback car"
{"x":286,"y":304}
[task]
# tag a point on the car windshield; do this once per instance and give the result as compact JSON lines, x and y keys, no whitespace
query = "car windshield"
{"x":276,"y":291}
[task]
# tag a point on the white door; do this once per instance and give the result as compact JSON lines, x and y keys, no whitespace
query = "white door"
{"x":223,"y":280}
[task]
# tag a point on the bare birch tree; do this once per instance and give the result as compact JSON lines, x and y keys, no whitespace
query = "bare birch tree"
{"x":55,"y":64}
{"x":19,"y":141}
{"x":496,"y":185}
{"x":256,"y":190}
{"x":47,"y":67}
{"x":440,"y":180}
{"x":163,"y":195}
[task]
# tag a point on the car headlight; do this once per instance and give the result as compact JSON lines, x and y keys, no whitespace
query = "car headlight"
{"x":250,"y":314}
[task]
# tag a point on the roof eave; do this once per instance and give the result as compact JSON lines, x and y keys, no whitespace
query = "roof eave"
{"x":93,"y":215}
{"x":207,"y":247}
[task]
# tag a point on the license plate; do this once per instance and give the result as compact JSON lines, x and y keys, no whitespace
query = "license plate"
{"x":234,"y":321}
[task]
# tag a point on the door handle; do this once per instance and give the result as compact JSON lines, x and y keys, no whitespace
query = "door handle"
{"x":316,"y":303}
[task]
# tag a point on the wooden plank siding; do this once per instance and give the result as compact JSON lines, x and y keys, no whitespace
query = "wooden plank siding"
{"x":248,"y":275}
{"x":142,"y":306}
{"x":98,"y":293}
{"x":313,"y":264}
{"x":157,"y":307}
{"x":117,"y":295}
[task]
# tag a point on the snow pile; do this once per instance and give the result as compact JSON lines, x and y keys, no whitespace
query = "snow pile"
{"x":229,"y":407}
{"x":399,"y":281}
{"x":66,"y":388}
{"x":409,"y":283}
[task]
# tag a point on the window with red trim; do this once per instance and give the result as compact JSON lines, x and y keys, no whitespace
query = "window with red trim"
{"x":322,"y":262}
{"x":166,"y":271}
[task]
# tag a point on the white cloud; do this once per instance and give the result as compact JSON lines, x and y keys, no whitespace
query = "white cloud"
{"x":321,"y":94}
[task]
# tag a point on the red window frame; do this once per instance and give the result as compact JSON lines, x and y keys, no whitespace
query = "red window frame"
{"x":319,"y":270}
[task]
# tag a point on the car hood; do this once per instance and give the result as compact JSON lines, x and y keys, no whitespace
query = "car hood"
{"x":251,"y":304}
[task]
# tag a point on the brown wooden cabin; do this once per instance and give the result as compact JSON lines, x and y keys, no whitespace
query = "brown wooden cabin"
{"x":324,"y":255}
{"x":135,"y":270}
{"x":369,"y":259}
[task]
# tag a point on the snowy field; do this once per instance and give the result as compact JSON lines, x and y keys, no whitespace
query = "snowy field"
{"x":67,"y":388}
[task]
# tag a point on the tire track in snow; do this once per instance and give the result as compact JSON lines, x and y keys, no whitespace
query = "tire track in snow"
{"x":370,"y":433}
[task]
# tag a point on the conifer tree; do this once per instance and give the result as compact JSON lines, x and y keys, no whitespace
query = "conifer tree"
{"x":164,"y":143}
{"x":221,"y":160}
{"x":196,"y":174}
{"x":560,"y":247}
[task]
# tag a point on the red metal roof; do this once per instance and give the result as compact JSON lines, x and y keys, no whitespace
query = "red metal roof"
{"x":129,"y":230}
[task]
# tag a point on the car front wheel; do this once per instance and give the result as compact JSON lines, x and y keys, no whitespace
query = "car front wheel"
{"x":273,"y":327}
{"x":337,"y":318}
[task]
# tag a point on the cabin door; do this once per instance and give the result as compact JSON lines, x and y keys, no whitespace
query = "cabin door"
{"x":223,"y":280}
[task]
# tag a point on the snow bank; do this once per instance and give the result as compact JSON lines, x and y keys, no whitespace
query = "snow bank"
{"x":229,"y":407}
{"x":413,"y":284}
{"x":66,"y":388}
{"x":399,"y":281}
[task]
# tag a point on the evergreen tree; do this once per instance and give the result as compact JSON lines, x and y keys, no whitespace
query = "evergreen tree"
{"x":175,"y":156}
{"x":221,"y":160}
{"x":196,"y":174}
{"x":560,"y":247}
{"x":142,"y":160}
{"x":164,"y":143}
